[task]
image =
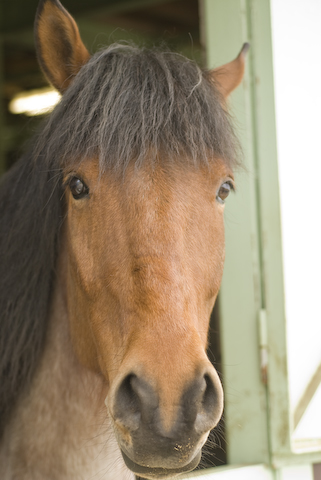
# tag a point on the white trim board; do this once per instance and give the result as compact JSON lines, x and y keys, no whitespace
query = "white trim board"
{"x":253,"y":472}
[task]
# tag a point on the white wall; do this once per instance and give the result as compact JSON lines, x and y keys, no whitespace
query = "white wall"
{"x":296,"y":33}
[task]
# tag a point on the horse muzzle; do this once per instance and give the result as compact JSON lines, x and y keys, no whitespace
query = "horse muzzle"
{"x":152,"y":446}
{"x":151,"y":473}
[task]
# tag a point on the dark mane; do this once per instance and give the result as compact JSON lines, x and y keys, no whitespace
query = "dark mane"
{"x":30,"y":217}
{"x":126,"y":103}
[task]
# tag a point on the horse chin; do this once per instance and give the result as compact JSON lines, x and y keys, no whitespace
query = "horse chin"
{"x":160,"y":473}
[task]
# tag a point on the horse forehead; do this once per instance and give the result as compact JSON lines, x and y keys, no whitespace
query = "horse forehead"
{"x":154,"y":181}
{"x":152,"y":199}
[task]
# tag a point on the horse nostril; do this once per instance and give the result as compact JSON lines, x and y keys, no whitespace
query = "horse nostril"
{"x":127,"y":403}
{"x":210,"y":394}
{"x":211,"y":407}
{"x":135,"y":401}
{"x":136,"y":406}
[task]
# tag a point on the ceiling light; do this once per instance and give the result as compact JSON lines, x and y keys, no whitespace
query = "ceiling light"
{"x":35,"y":102}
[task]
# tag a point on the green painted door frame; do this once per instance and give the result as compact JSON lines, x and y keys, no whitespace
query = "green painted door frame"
{"x":252,"y":313}
{"x":241,"y":299}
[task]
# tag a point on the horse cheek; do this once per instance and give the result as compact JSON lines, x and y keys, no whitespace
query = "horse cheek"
{"x":80,"y":328}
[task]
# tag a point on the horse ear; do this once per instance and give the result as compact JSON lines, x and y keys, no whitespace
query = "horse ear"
{"x":229,"y":76}
{"x":60,"y":50}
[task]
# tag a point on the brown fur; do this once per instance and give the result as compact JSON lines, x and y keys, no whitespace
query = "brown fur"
{"x":131,"y":291}
{"x":229,"y":76}
{"x":61,"y":431}
{"x":144,"y":271}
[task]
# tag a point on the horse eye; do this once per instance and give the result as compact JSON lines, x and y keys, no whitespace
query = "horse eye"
{"x":78,"y":188}
{"x":224,"y":191}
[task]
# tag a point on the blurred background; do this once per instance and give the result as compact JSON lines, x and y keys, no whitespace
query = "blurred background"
{"x":101,"y":22}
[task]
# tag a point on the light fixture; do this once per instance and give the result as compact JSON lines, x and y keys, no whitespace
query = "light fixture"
{"x":34,"y":102}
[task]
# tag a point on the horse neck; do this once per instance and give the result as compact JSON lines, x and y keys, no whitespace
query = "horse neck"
{"x":60,"y":427}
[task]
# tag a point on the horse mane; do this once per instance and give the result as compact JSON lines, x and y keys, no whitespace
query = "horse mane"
{"x":126,"y":103}
{"x":30,"y":216}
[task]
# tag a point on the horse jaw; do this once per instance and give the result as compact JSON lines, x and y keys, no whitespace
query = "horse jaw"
{"x":62,"y":415}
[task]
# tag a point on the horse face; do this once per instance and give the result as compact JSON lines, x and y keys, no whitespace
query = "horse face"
{"x":144,"y":264}
{"x":145,"y":261}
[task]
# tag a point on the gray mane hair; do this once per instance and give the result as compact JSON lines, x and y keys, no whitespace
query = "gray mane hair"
{"x":125,"y":104}
{"x":128,"y":102}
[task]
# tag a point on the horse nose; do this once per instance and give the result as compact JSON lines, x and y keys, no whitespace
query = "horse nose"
{"x":138,"y":405}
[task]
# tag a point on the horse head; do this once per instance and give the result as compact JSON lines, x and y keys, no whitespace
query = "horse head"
{"x":143,"y":254}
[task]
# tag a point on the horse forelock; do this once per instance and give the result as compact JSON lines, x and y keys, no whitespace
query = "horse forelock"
{"x":127,"y":101}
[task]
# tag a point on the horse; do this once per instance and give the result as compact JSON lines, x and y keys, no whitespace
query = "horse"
{"x":112,"y":252}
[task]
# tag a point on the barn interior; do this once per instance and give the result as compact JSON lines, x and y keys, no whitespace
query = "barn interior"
{"x":101,"y":22}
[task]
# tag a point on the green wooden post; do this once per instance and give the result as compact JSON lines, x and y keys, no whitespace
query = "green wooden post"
{"x":271,"y":240}
{"x":258,"y":426}
{"x":227,"y":28}
{"x":270,"y":226}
